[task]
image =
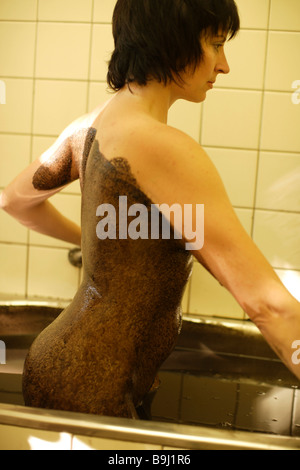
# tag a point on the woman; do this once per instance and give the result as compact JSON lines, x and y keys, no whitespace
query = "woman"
{"x":102,"y":353}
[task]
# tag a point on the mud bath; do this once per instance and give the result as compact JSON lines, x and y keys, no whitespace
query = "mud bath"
{"x":102,"y":354}
{"x":221,"y":379}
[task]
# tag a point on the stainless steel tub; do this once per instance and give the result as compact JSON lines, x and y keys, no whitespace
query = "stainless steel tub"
{"x":221,"y":388}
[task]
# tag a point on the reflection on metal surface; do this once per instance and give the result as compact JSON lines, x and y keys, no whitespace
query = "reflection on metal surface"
{"x":221,"y":388}
{"x":165,"y":434}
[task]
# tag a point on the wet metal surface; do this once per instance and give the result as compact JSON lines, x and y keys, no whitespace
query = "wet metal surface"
{"x":220,"y":375}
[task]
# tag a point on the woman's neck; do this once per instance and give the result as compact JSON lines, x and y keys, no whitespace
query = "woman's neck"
{"x":154,"y":99}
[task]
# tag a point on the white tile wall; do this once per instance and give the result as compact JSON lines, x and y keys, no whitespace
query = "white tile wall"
{"x":16,"y":149}
{"x":242,"y":109}
{"x":281,"y":123}
{"x":237,"y":168}
{"x":68,"y":40}
{"x":54,"y":95}
{"x":17,"y":54}
{"x":18,"y":438}
{"x":65,"y":10}
{"x":279,"y":181}
{"x":283,"y":65}
{"x":254,"y":14}
{"x":285,"y":15}
{"x":18,"y":10}
{"x":246,"y":57}
{"x":277,"y":235}
{"x":53,"y":58}
{"x":16,"y":114}
{"x":102,"y":47}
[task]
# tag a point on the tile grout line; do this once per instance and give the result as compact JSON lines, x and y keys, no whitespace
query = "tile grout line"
{"x":31,"y":139}
{"x":259,"y":149}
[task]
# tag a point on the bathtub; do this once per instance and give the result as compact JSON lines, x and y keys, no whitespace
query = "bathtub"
{"x":221,"y":388}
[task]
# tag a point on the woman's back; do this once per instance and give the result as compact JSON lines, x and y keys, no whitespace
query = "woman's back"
{"x":103,"y":352}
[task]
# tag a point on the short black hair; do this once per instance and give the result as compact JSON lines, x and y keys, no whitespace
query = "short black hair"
{"x":159,"y":39}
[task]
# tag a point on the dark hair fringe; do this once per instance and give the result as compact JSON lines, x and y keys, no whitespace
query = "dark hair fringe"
{"x":159,"y":39}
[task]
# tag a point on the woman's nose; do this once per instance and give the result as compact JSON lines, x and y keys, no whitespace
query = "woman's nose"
{"x":223,"y":66}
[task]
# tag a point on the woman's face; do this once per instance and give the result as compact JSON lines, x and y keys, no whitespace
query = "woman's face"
{"x":198,"y":82}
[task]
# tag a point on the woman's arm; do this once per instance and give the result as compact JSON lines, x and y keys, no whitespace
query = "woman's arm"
{"x":175,"y":169}
{"x":26,"y":197}
{"x":44,"y":218}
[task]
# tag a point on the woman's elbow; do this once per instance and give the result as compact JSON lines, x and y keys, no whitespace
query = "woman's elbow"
{"x":275,"y":304}
{"x":4,"y":203}
{"x":12,"y":205}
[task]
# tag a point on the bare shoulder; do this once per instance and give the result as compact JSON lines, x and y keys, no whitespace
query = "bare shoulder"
{"x":168,"y":162}
{"x":72,"y":145}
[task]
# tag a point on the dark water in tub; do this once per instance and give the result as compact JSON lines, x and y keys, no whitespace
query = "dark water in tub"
{"x":199,"y":387}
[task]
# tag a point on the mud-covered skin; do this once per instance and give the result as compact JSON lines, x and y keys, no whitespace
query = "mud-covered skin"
{"x":57,"y":171}
{"x":101,"y":355}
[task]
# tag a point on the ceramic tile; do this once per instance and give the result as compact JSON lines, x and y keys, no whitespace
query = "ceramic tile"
{"x":15,"y":115}
{"x":98,"y":93}
{"x":17,"y":438}
{"x":103,"y":10}
{"x":291,"y":280}
{"x":296,"y":415}
{"x":57,"y":104}
{"x":285,"y":15}
{"x":208,"y":297}
{"x":49,"y":440}
{"x":95,"y":443}
{"x":166,"y":402}
{"x":231,"y":119}
{"x":281,"y":123}
{"x":63,"y":51}
{"x":254,"y":14}
{"x":185,"y":298}
{"x":50,"y":273}
{"x":208,"y":401}
{"x":11,"y":230}
{"x":282,"y":68}
{"x":65,"y":10}
{"x":40,"y":144}
{"x":246,"y":58}
{"x":70,"y":207}
{"x":13,"y":260}
{"x":186,"y":117}
{"x":237,"y":169}
{"x":277,"y":235}
{"x":17,"y":42}
{"x":102,"y":48}
{"x":246,"y":218}
{"x":279,"y":181}
{"x":16,"y":156}
{"x":18,"y":9}
{"x":264,"y":409}
{"x":230,"y":125}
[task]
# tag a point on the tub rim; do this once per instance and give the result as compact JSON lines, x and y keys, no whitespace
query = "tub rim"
{"x":156,"y":433}
{"x":184,"y":436}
